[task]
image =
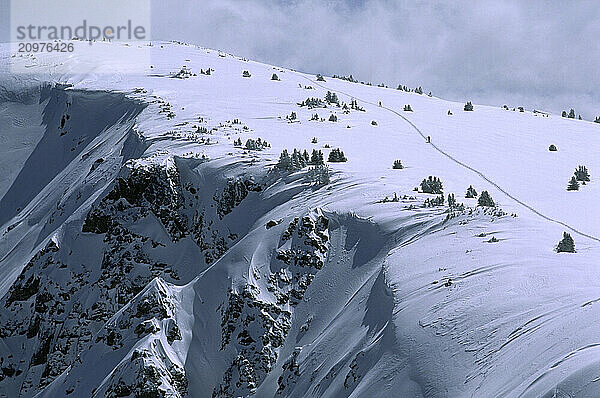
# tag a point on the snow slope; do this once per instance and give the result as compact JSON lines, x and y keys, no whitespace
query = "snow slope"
{"x":142,"y":252}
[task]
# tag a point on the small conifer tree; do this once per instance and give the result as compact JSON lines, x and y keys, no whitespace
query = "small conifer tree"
{"x":471,"y":192}
{"x":468,"y":106}
{"x":582,"y":174}
{"x":573,"y":184}
{"x":397,"y":165}
{"x":485,"y":200}
{"x":566,"y":244}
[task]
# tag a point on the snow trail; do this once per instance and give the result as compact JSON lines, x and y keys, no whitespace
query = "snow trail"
{"x":460,"y":163}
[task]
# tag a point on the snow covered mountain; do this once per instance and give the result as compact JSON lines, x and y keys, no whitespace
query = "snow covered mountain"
{"x":152,"y":246}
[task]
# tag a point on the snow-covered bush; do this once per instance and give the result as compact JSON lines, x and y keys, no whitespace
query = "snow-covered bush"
{"x":407,"y":108}
{"x":397,"y":165}
{"x":552,"y":148}
{"x":320,"y":78}
{"x":246,"y":74}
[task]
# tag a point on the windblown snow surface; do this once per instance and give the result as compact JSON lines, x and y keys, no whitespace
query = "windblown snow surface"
{"x":143,"y":254}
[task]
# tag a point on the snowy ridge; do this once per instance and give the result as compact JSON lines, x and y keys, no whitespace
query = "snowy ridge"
{"x":145,"y":251}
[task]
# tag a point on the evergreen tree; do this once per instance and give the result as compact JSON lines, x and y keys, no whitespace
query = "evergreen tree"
{"x":397,"y":165}
{"x":316,"y":157}
{"x":485,"y":200}
{"x":333,"y":118}
{"x":407,"y":108}
{"x":285,"y":161}
{"x":468,"y":106}
{"x":564,"y":114}
{"x":471,"y":192}
{"x":597,"y":119}
{"x":571,"y":114}
{"x":581,"y":174}
{"x":573,"y":184}
{"x":274,"y":77}
{"x":305,"y":156}
{"x":451,"y":200}
{"x":314,"y":140}
{"x":566,"y":245}
{"x":320,"y":78}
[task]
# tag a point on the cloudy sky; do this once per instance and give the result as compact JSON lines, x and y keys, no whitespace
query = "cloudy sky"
{"x":541,"y":54}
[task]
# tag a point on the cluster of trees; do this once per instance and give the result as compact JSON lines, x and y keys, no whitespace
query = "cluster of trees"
{"x":349,"y":78}
{"x":468,"y":106}
{"x":407,"y":108}
{"x":246,"y":74}
{"x":418,"y":90}
{"x":333,"y":118}
{"x":432,"y":202}
{"x":432,"y":185}
{"x":337,"y":156}
{"x":319,"y":175}
{"x":312,"y":103}
{"x":354,"y":105}
{"x":320,"y":78}
{"x":597,"y":119}
{"x":570,"y":115}
{"x":252,"y":144}
{"x":582,"y":175}
{"x":298,"y":160}
{"x":332,"y":98}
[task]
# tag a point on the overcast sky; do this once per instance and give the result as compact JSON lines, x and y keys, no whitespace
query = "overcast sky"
{"x":542,"y":54}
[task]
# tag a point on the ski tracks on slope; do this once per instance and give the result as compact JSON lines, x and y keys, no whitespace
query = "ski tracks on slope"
{"x":460,"y":163}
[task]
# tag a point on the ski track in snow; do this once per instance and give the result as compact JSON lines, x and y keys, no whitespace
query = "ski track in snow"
{"x":460,"y":163}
